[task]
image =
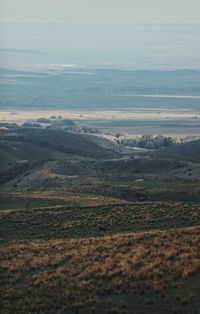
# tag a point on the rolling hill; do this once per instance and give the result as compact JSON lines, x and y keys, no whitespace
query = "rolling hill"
{"x":185,"y":151}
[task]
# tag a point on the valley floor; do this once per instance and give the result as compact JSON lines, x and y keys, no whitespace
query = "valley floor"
{"x":131,"y":122}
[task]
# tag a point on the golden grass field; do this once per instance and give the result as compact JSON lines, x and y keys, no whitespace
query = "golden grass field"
{"x":70,"y":274}
{"x":94,"y":254}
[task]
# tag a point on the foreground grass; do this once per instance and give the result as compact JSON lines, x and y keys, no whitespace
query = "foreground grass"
{"x":34,"y":200}
{"x":74,"y":253}
{"x":97,"y":217}
{"x":88,"y":274}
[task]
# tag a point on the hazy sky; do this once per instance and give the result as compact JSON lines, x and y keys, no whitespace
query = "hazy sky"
{"x":100,"y":11}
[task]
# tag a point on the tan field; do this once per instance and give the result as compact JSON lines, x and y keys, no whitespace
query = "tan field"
{"x":23,"y":115}
{"x":124,"y":122}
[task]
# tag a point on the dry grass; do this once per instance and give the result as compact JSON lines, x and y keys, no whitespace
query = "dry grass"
{"x":22,"y":116}
{"x":64,"y":196}
{"x":58,"y":275}
{"x":73,"y":219}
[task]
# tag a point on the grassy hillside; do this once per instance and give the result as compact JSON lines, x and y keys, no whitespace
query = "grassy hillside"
{"x":39,"y":142}
{"x":185,"y":151}
{"x":85,"y":229}
{"x":83,"y":254}
{"x":46,"y":159}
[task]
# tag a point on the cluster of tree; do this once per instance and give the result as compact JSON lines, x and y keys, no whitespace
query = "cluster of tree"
{"x":8,"y":125}
{"x":63,"y":123}
{"x":57,"y":123}
{"x":31,"y":125}
{"x":43,"y":120}
{"x":148,"y":141}
{"x":87,"y":129}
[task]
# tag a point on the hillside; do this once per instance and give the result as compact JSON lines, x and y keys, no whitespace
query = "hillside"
{"x":85,"y":229}
{"x":41,"y":159}
{"x":185,"y":151}
{"x":76,"y":253}
{"x":43,"y":144}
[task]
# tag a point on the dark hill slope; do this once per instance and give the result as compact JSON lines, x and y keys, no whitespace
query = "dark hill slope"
{"x":185,"y":151}
{"x":13,"y":151}
{"x":130,"y":167}
{"x":30,"y":157}
{"x":37,"y":144}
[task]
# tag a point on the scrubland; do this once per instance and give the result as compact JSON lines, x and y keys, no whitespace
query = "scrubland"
{"x":103,"y":256}
{"x":87,"y":228}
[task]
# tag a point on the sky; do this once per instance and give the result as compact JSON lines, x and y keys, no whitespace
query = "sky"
{"x":100,"y":11}
{"x":100,"y":32}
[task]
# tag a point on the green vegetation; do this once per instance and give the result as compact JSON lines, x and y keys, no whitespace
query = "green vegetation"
{"x":12,"y":201}
{"x":148,"y":141}
{"x":50,"y":219}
